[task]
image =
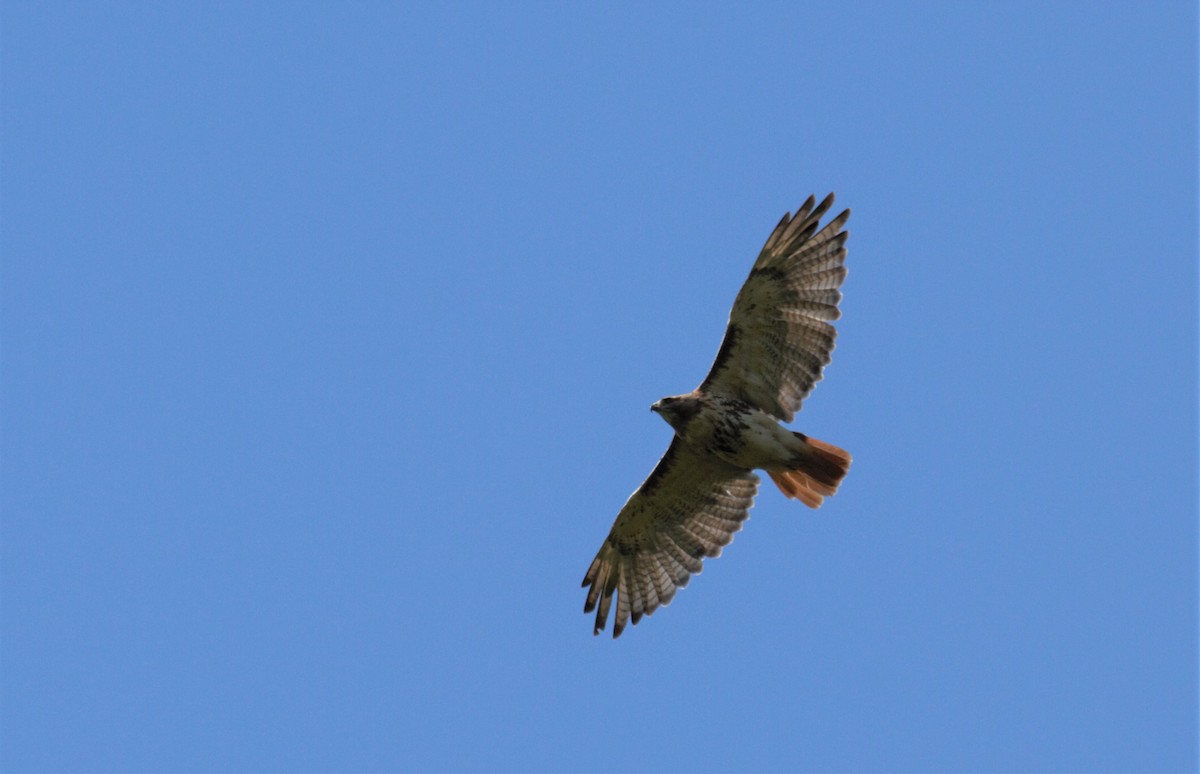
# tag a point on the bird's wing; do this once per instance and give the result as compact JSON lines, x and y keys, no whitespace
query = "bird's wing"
{"x":687,"y":509}
{"x":779,"y":338}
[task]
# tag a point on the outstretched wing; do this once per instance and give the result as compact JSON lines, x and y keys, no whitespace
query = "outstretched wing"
{"x":779,"y":337}
{"x":687,"y":509}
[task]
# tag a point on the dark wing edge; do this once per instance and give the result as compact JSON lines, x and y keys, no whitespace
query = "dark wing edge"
{"x":687,"y":509}
{"x":779,"y":338}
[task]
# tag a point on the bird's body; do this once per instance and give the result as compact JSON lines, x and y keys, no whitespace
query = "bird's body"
{"x":736,"y":432}
{"x":776,"y":344}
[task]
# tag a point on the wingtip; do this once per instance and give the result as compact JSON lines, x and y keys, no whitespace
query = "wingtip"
{"x":803,"y":209}
{"x":822,"y":208}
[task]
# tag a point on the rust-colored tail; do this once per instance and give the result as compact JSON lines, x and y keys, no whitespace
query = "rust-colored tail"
{"x":816,"y":474}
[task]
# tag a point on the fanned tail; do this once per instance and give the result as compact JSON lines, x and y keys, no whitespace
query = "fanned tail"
{"x":816,"y":474}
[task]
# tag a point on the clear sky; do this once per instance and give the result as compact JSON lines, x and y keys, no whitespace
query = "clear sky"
{"x":329,"y":333}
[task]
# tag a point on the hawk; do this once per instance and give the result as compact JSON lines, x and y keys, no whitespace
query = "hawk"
{"x":776,"y":343}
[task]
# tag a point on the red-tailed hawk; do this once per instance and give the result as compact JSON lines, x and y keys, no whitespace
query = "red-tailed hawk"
{"x":777,"y":341}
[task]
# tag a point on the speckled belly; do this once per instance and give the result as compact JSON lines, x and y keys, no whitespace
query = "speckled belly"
{"x":743,"y":435}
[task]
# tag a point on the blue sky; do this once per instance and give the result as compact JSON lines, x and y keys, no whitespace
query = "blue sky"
{"x":329,"y":334}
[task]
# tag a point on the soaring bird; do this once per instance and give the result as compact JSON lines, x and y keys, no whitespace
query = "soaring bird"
{"x":776,"y":344}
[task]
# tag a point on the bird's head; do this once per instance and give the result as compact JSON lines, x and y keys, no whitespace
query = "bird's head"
{"x":677,"y":410}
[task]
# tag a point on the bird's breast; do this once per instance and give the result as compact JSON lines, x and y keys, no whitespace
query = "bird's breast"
{"x":739,"y":434}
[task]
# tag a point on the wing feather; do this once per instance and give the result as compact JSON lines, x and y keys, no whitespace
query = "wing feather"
{"x":779,"y":339}
{"x":622,"y":600}
{"x":684,"y":563}
{"x":664,"y":588}
{"x":689,"y":508}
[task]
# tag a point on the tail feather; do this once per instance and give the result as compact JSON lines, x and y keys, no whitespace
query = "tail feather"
{"x":815,"y":475}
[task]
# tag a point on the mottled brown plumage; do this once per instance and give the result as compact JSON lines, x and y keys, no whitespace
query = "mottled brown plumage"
{"x":776,"y":344}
